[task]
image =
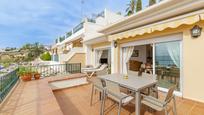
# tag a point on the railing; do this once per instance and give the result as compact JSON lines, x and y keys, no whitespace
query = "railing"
{"x":102,"y":14}
{"x":91,"y":20}
{"x":57,"y":69}
{"x":78,"y":27}
{"x":7,"y":81}
{"x":68,"y":34}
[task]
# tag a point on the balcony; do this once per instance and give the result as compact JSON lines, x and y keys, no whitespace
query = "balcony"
{"x":36,"y":97}
{"x":91,"y":20}
{"x":78,"y":27}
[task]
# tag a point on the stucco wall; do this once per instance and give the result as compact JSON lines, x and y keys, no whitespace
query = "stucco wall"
{"x":78,"y":58}
{"x":193,"y":59}
{"x":193,"y":66}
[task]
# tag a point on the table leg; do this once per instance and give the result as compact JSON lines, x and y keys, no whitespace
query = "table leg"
{"x":137,"y":103}
{"x":100,"y":96}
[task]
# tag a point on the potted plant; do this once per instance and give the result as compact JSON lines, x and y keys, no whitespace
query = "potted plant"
{"x":36,"y":74}
{"x":25,"y":73}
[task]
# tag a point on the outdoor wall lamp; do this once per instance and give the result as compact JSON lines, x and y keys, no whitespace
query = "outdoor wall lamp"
{"x":196,"y":31}
{"x":115,"y":44}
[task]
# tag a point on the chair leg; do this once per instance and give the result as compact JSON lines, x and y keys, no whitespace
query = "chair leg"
{"x":165,"y":110}
{"x":91,"y":75}
{"x":156,"y":92}
{"x":92,"y":91}
{"x":103,"y":103}
{"x":174,"y":108}
{"x":119,"y":107}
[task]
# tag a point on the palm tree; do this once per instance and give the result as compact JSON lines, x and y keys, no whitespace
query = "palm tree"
{"x":152,"y":2}
{"x":138,"y":5}
{"x":131,"y":7}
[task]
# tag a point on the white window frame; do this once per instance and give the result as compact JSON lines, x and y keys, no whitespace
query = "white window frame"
{"x":153,"y":41}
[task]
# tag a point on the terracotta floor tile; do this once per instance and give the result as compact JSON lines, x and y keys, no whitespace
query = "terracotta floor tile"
{"x":37,"y":98}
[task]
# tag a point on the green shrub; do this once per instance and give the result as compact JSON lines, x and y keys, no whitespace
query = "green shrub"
{"x":24,"y":70}
{"x":45,"y":56}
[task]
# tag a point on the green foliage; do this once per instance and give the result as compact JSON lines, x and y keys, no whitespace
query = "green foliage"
{"x":24,"y":70}
{"x":68,"y":34}
{"x":152,"y":2}
{"x":138,"y":5}
{"x":45,"y":56}
{"x":10,"y":49}
{"x":56,"y":41}
{"x":131,"y":7}
{"x":61,"y":38}
{"x":33,"y":51}
{"x":6,"y":65}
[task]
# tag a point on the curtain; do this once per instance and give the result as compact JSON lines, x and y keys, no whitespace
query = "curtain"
{"x":127,"y":53}
{"x":98,"y":56}
{"x":174,"y":52}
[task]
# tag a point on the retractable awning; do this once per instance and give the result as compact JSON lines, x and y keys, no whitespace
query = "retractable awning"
{"x":160,"y":26}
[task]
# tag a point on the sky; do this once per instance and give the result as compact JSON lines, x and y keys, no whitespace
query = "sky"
{"x":29,"y":21}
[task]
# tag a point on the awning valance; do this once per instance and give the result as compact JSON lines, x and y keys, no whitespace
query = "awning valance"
{"x":157,"y":27}
{"x":202,"y":16}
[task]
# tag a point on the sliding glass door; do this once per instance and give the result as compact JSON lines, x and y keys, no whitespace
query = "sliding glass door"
{"x":168,"y":63}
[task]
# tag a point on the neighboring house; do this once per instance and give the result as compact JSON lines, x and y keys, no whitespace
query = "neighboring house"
{"x":72,"y":49}
{"x":164,"y":38}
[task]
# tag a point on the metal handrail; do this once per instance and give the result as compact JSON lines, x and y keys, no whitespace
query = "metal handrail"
{"x":7,"y":81}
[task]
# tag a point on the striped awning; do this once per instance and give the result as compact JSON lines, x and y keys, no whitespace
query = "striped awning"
{"x":173,"y":23}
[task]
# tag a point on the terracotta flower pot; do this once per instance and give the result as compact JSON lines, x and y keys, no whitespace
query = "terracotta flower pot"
{"x":26,"y":77}
{"x":37,"y":76}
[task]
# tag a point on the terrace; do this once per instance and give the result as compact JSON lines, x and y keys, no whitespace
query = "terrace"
{"x":37,"y":97}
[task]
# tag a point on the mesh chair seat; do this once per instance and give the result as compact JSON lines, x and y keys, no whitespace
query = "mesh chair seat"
{"x":124,"y":97}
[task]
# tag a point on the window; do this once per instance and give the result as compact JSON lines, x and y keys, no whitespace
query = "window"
{"x":167,"y":64}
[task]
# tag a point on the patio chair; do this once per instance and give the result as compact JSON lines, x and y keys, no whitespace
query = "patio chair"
{"x":90,"y":67}
{"x":100,"y":71}
{"x":152,"y":90}
{"x":97,"y":85}
{"x":147,"y":91}
{"x":160,"y":105}
{"x":112,"y":91}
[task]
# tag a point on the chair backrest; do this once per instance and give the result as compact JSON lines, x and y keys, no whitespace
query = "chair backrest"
{"x":97,"y":83}
{"x":150,"y":75}
{"x":113,"y":88}
{"x":97,"y":66}
{"x":143,"y":74}
{"x":102,"y":67}
{"x":170,"y":93}
{"x":102,"y":70}
{"x":147,"y":74}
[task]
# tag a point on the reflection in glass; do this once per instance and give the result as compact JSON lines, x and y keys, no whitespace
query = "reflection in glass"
{"x":167,"y":64}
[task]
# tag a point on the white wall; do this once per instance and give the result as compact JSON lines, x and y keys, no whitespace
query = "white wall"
{"x":88,"y":52}
{"x":112,"y":17}
{"x":101,"y":21}
{"x":142,"y":54}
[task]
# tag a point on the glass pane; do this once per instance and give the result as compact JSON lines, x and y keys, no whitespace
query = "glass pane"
{"x":167,"y":64}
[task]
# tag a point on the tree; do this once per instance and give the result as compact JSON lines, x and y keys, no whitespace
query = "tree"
{"x":138,"y":5}
{"x":131,"y":8}
{"x":45,"y":56}
{"x":152,"y":2}
{"x":32,"y":50}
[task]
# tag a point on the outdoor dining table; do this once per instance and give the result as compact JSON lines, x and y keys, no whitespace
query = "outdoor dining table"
{"x":133,"y":82}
